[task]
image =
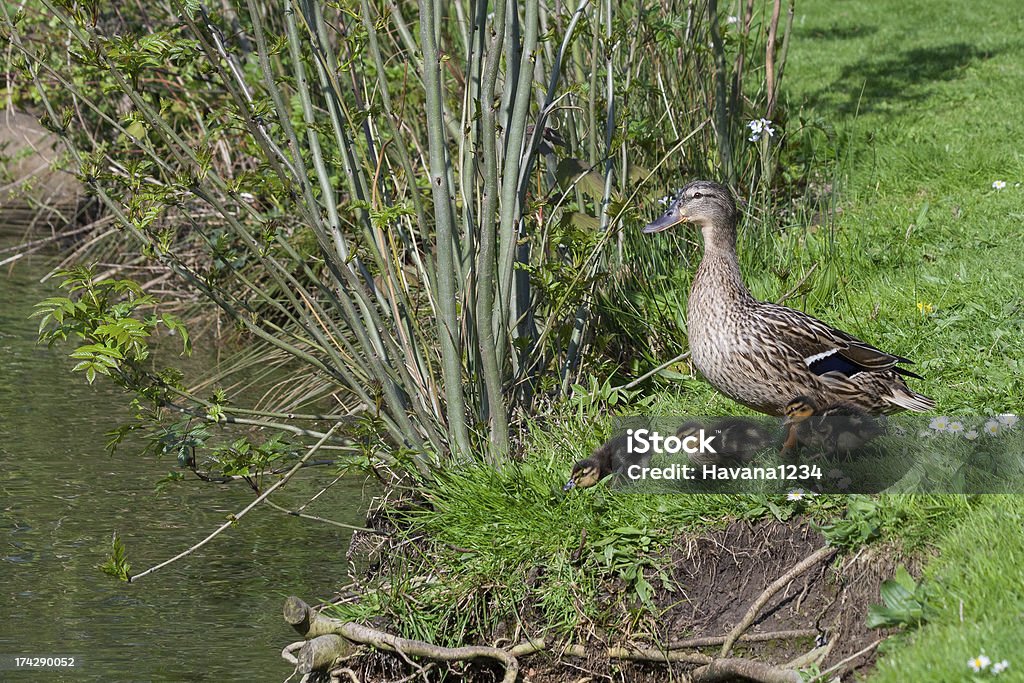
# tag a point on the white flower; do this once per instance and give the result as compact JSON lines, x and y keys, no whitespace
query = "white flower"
{"x":971,"y":434}
{"x":1008,"y":420}
{"x":759,"y":127}
{"x":939,"y":424}
{"x":991,"y":428}
{"x":795,"y":494}
{"x":999,"y":667}
{"x":665,"y":200}
{"x":732,"y":20}
{"x":955,"y":427}
{"x":978,"y":663}
{"x":925,"y":433}
{"x":998,"y":184}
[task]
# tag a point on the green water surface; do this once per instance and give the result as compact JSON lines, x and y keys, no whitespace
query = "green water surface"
{"x":213,"y":616}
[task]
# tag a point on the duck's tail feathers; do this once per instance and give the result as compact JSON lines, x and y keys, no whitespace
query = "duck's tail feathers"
{"x":911,"y":400}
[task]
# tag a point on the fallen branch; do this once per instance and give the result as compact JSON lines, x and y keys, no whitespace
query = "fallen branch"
{"x":636,"y":654}
{"x":330,"y":640}
{"x":799,"y":568}
{"x":710,"y":641}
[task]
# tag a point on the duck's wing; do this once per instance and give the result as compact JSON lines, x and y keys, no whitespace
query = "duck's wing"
{"x":825,"y":349}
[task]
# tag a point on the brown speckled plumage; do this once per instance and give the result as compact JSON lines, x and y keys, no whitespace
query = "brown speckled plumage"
{"x":761,"y":354}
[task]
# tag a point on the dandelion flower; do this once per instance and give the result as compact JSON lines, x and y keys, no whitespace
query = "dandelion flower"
{"x":999,"y":667}
{"x":925,"y":308}
{"x":795,"y":494}
{"x":971,"y":434}
{"x":939,"y":424}
{"x":998,"y":184}
{"x":1008,"y":420}
{"x":991,"y":428}
{"x":978,"y":663}
{"x":955,"y":427}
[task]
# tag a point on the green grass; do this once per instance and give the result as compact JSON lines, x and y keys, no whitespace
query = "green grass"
{"x":977,"y":601}
{"x":928,"y":94}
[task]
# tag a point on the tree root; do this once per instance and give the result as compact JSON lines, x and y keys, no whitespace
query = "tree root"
{"x":729,"y":669}
{"x":329,"y":640}
{"x":799,"y":568}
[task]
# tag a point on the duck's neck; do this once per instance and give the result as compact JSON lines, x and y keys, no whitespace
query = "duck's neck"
{"x":719,"y":273}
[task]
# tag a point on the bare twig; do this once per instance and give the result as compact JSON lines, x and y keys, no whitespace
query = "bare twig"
{"x":810,"y":271}
{"x":235,"y":517}
{"x":823,"y":676}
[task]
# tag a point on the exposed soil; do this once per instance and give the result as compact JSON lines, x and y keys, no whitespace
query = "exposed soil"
{"x":714,"y":578}
{"x":721,"y":574}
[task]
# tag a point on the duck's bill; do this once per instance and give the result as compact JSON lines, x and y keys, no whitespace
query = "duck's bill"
{"x":569,"y":485}
{"x":664,"y":223}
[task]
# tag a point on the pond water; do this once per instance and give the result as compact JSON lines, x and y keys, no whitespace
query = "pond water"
{"x":215,"y":615}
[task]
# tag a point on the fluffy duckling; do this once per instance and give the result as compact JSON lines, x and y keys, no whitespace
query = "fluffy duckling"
{"x":736,"y":440}
{"x":611,"y":457}
{"x":837,"y":429}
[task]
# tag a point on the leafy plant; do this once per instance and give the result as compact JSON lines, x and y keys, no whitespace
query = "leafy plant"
{"x":117,"y":564}
{"x":905,"y":602}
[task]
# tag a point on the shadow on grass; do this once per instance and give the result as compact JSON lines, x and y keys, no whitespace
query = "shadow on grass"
{"x":897,"y":81}
{"x":841,"y":32}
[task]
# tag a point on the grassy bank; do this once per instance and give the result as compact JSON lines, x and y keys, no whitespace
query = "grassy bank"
{"x":929,"y":95}
{"x":923,"y":256}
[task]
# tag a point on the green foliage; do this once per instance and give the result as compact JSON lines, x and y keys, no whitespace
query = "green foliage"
{"x":904,"y":602}
{"x":230,"y":150}
{"x":627,"y":552}
{"x":861,"y":523}
{"x":117,"y":564}
{"x":99,"y":312}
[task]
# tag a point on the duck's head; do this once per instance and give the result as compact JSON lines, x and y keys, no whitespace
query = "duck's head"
{"x":799,"y":409}
{"x":704,"y":203}
{"x":585,"y":473}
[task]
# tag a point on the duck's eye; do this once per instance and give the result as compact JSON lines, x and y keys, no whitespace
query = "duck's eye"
{"x":697,"y":195}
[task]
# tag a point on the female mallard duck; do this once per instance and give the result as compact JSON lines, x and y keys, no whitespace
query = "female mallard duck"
{"x":611,"y":457}
{"x":762,"y":354}
{"x":736,"y":440}
{"x":838,"y":429}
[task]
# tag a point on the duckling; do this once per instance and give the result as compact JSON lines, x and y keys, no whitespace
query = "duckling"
{"x":837,"y":429}
{"x":736,"y":440}
{"x":762,"y":354}
{"x":611,"y":457}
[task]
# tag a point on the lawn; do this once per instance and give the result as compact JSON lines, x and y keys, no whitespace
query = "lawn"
{"x":928,"y":95}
